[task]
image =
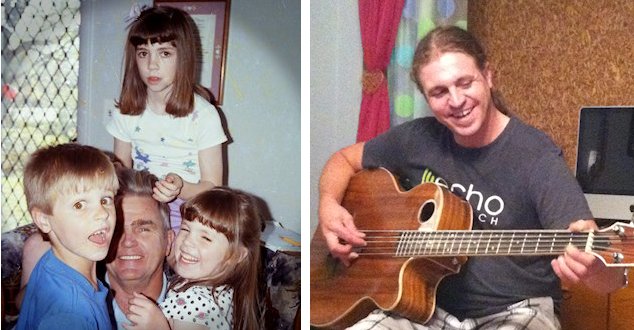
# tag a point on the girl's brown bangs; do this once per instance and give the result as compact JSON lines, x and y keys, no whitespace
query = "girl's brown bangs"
{"x":143,"y":37}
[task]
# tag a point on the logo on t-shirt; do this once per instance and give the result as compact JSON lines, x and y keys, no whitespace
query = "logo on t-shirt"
{"x":486,"y":208}
{"x":429,"y":176}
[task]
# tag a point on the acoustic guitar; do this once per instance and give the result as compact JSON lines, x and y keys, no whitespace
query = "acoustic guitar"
{"x":417,"y":237}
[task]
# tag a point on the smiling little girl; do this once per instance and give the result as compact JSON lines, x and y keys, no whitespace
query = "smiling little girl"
{"x":217,"y":253}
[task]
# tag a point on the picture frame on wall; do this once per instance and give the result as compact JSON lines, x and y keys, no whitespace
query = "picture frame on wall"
{"x":212,"y":20}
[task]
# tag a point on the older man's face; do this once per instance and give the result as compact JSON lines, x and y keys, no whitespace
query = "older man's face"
{"x":143,"y":243}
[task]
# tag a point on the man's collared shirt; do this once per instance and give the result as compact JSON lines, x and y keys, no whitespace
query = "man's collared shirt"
{"x":117,"y":313}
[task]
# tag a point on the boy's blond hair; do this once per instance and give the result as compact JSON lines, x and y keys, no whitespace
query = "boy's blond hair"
{"x":65,"y":168}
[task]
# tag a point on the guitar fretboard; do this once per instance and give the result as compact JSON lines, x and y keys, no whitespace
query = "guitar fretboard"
{"x":414,"y":243}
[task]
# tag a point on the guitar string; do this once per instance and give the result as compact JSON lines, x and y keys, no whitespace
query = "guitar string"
{"x":453,"y":235}
{"x":467,"y":239}
{"x":546,"y":239}
{"x":471,"y":240}
{"x":479,"y":251}
{"x":489,"y":232}
{"x":422,"y":253}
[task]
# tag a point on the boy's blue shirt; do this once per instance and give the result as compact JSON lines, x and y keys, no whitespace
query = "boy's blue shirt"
{"x":59,"y":297}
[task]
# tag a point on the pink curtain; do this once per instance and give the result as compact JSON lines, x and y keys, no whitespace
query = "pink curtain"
{"x":379,"y":26}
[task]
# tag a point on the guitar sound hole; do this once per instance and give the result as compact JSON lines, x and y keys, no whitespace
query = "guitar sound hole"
{"x":427,"y":211}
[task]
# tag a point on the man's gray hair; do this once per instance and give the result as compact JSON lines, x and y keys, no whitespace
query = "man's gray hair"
{"x":140,"y":183}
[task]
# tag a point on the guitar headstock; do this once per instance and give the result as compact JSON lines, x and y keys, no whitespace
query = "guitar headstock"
{"x":614,"y":245}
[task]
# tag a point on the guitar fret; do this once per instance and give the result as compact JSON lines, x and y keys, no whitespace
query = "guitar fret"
{"x":453,"y":240}
{"x":413,"y":243}
{"x":523,"y":243}
{"x":438,"y":243}
{"x":405,"y":244}
{"x":469,"y":243}
{"x":539,"y":237}
{"x":421,"y":242}
{"x":428,"y":243}
{"x":497,"y":251}
{"x":552,"y":245}
{"x":401,"y":242}
{"x":489,"y":242}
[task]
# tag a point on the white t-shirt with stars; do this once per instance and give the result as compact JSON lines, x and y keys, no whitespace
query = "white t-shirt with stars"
{"x":197,"y":305}
{"x":164,"y":143}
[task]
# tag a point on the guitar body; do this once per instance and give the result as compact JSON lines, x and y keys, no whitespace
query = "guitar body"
{"x":340,"y":295}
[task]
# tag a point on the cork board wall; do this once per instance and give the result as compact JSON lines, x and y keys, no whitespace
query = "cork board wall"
{"x":552,"y":57}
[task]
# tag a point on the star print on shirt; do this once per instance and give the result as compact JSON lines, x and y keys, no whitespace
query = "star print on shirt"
{"x":190,"y":163}
{"x":137,"y":129}
{"x":141,"y":156}
{"x":162,"y":140}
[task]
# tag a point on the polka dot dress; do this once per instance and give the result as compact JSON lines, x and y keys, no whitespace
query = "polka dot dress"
{"x":197,"y":305}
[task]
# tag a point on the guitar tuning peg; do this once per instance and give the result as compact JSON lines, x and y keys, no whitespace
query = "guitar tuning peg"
{"x":619,"y":230}
{"x":618,"y":257}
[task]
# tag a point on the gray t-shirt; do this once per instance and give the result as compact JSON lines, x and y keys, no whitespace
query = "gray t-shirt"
{"x":520,"y":181}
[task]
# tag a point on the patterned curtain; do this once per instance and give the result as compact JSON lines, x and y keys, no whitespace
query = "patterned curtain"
{"x":419,"y":17}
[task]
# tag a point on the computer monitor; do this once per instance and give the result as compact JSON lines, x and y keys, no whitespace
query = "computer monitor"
{"x":605,"y":161}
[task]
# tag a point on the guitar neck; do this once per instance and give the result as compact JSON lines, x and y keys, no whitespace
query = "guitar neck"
{"x":413,"y":243}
